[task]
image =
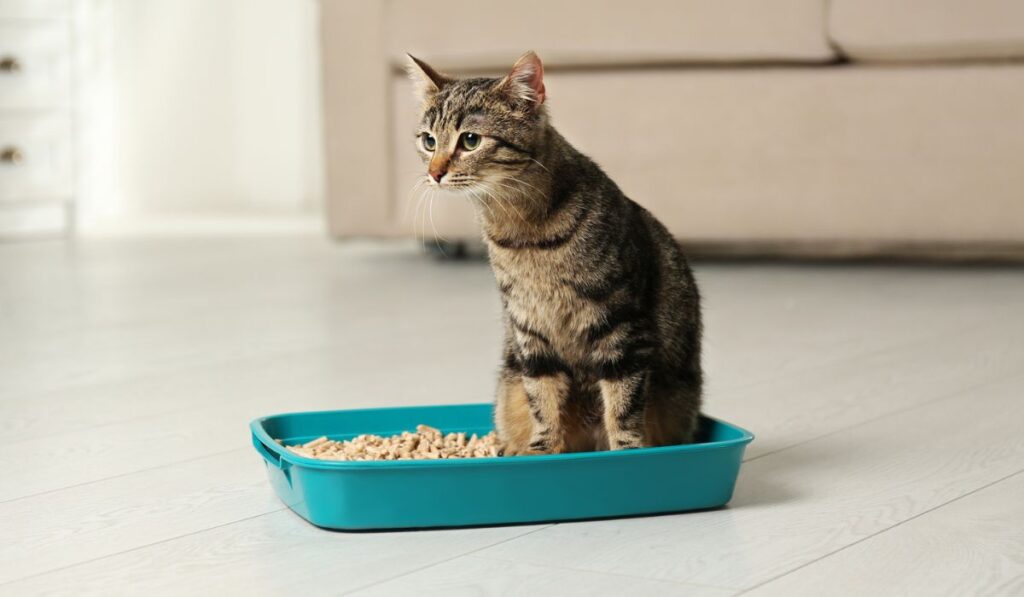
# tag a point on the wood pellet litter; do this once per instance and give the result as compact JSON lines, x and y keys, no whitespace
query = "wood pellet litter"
{"x":426,"y":443}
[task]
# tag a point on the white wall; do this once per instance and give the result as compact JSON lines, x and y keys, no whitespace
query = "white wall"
{"x":199,"y":108}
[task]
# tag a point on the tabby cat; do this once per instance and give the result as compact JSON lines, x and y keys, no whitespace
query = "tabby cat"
{"x":601,"y":311}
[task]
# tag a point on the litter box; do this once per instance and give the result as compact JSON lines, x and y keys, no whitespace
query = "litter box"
{"x":394,"y":494}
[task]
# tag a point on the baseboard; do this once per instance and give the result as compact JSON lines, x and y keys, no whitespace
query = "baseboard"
{"x":824,"y":250}
{"x":932,"y":251}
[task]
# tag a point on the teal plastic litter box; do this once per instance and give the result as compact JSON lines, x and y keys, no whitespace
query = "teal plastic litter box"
{"x":487,"y":491}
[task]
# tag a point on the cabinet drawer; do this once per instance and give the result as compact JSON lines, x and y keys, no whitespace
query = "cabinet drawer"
{"x":35,"y":63}
{"x":35,"y":157}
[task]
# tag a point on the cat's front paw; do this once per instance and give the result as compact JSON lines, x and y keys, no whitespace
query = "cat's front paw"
{"x":523,"y":452}
{"x":515,"y":450}
{"x":528,"y":450}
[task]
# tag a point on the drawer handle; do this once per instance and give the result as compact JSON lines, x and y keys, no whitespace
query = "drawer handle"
{"x":9,"y":64}
{"x":11,"y":155}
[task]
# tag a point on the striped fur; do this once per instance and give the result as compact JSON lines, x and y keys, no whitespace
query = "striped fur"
{"x":602,"y":314}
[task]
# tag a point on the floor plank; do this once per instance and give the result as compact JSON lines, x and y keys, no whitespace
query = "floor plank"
{"x":882,"y":397}
{"x":83,"y":456}
{"x":972,"y":546}
{"x":800,"y":504}
{"x":788,"y":410}
{"x":310,"y":379}
{"x":82,"y":523}
{"x":472,"y":575}
{"x":112,"y":310}
{"x":270,"y":554}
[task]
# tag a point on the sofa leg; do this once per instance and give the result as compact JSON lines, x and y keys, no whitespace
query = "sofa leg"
{"x":448,"y":249}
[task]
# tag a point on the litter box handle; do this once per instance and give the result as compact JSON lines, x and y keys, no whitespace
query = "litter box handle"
{"x":272,"y":457}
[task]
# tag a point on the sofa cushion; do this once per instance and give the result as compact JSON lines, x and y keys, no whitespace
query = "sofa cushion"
{"x":928,"y":29}
{"x":468,"y":34}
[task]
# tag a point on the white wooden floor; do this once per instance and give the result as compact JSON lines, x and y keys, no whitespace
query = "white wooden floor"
{"x":888,"y":404}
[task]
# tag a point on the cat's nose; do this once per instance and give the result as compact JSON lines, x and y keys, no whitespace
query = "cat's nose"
{"x":438,"y":167}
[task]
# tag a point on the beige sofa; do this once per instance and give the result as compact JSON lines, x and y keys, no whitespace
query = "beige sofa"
{"x":794,"y":126}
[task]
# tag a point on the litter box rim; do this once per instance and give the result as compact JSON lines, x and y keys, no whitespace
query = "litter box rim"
{"x":277,"y":455}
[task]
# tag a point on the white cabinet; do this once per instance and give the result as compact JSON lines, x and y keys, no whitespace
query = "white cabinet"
{"x":36,"y":170}
{"x":35,"y":152}
{"x":35,"y":63}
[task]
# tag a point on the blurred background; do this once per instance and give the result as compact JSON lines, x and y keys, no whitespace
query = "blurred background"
{"x":121,"y":117}
{"x":794,"y":128}
{"x":206,"y":217}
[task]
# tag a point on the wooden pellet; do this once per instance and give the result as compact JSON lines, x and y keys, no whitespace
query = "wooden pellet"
{"x":426,"y":443}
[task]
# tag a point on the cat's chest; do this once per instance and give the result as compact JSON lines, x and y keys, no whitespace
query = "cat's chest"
{"x":543,"y":301}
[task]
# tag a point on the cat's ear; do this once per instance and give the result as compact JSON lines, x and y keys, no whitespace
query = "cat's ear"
{"x":526,"y":81}
{"x":427,"y":80}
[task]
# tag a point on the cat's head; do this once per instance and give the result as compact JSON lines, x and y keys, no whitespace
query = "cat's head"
{"x":480,"y":135}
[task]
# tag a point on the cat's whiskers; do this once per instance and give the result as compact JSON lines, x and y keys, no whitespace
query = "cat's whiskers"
{"x":417,"y":219}
{"x":473,"y":186}
{"x":518,"y":192}
{"x":417,"y":190}
{"x":502,"y":201}
{"x":510,"y":192}
{"x":437,"y":235}
{"x":421,"y":212}
{"x":417,"y":186}
{"x":477,"y":198}
{"x":421,"y":190}
{"x":540,"y":193}
{"x":497,"y":201}
{"x":541,"y":165}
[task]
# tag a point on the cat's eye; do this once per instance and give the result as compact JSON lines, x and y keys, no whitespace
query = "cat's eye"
{"x":469,"y":141}
{"x":428,"y":141}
